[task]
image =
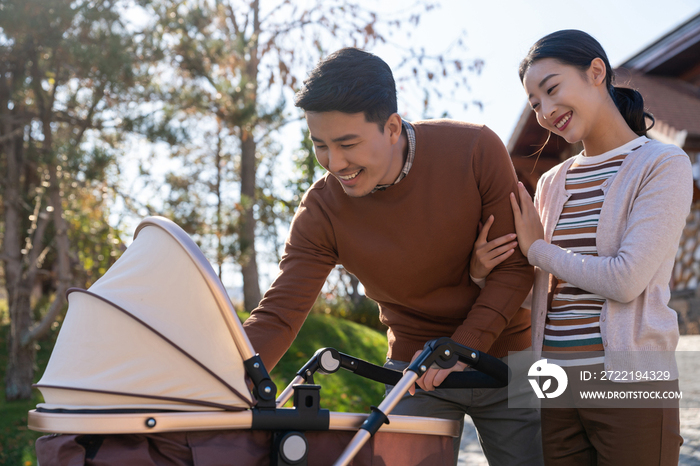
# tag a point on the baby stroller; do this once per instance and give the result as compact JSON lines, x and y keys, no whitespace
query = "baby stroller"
{"x":150,"y":368}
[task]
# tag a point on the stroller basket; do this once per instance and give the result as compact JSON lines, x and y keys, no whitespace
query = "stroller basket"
{"x":150,"y":368}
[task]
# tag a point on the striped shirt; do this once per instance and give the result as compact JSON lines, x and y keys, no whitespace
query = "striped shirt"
{"x":573,"y":317}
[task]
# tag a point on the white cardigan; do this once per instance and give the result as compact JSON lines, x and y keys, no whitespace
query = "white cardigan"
{"x":641,"y":221}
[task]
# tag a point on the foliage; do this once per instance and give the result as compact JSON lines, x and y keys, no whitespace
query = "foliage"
{"x":306,"y":169}
{"x":65,"y":66}
{"x":201,"y":198}
{"x":4,"y":312}
{"x":96,"y":243}
{"x":208,"y":79}
{"x":229,"y":68}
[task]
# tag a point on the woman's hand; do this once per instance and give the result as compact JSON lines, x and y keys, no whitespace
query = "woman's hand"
{"x":487,"y":255}
{"x":433,"y":377}
{"x":528,"y":225}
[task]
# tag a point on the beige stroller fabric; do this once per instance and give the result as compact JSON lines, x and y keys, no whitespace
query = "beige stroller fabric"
{"x":160,"y":330}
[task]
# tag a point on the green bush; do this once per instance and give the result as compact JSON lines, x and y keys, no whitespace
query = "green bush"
{"x":364,"y":312}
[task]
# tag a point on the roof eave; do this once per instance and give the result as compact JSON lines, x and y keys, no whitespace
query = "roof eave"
{"x":671,"y":44}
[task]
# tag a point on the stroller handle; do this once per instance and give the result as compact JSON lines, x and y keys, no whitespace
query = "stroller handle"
{"x":490,"y":371}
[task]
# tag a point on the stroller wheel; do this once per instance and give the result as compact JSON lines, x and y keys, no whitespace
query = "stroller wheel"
{"x":293,"y":447}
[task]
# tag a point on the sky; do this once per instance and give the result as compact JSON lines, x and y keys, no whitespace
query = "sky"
{"x":502,"y":31}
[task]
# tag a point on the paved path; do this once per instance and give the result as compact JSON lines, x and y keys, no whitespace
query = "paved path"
{"x":471,"y":454}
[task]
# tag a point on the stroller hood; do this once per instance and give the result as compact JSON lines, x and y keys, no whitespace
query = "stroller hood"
{"x":157,"y":331}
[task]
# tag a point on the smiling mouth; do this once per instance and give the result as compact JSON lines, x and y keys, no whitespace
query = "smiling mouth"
{"x":563,"y":120}
{"x":349,"y":177}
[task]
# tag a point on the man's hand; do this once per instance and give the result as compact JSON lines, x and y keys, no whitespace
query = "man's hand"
{"x":487,"y":255}
{"x":528,"y":225}
{"x":433,"y":377}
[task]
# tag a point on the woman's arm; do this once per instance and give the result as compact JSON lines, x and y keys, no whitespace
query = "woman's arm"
{"x":488,"y":254}
{"x":654,"y":225}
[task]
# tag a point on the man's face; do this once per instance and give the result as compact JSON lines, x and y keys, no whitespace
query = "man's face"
{"x":353,"y":150}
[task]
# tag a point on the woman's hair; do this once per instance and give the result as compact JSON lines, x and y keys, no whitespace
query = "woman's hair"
{"x":578,"y":49}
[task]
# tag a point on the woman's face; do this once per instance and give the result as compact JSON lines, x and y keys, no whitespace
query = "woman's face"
{"x":566,"y":100}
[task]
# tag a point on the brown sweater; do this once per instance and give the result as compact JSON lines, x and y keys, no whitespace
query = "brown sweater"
{"x":410,"y":247}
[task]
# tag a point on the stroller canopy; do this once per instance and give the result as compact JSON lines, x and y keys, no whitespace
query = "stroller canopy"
{"x":156,"y":332}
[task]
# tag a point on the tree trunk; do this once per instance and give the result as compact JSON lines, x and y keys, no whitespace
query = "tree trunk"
{"x":248,"y":261}
{"x":219,"y":220}
{"x":249,"y":264}
{"x":64,"y":278}
{"x":20,"y":364}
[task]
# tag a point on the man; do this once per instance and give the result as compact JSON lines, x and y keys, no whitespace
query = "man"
{"x":399,"y":208}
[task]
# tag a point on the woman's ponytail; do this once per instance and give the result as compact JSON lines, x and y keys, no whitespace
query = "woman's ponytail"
{"x":631,"y":105}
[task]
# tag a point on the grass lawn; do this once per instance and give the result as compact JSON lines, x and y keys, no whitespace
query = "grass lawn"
{"x":341,"y":391}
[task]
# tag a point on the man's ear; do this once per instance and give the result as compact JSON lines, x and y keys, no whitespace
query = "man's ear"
{"x":394,"y":126}
{"x":597,"y":71}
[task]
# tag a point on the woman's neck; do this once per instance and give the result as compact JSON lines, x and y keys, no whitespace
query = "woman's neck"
{"x":611,"y":131}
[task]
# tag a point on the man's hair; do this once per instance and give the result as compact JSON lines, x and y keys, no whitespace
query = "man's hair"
{"x":350,"y":81}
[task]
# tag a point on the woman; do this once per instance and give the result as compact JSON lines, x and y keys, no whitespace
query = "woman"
{"x":611,"y":218}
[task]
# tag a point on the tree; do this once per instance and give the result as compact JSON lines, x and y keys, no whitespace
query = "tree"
{"x":200,"y":198}
{"x":64,"y":64}
{"x":238,"y":60}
